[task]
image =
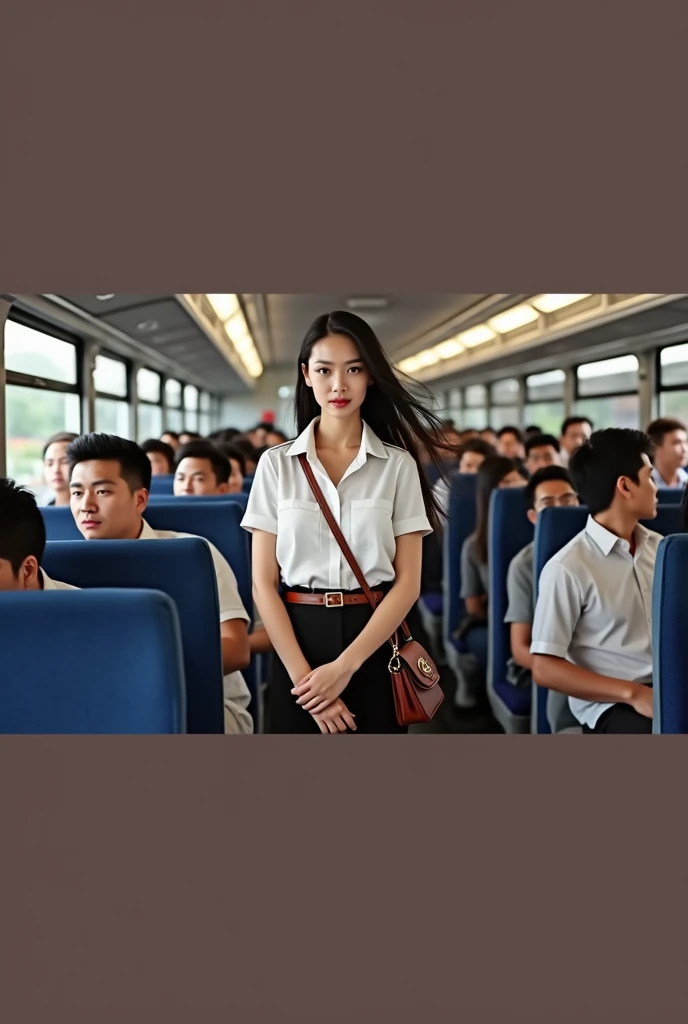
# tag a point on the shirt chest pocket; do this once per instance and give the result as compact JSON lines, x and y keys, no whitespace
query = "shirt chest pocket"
{"x":299,"y":520}
{"x":371,"y":523}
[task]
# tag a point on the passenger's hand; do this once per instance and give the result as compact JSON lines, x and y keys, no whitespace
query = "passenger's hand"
{"x":319,"y":688}
{"x":335,"y":718}
{"x":642,"y":701}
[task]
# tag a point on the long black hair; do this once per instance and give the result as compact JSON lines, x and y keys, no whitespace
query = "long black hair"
{"x":393,"y":407}
{"x":490,"y":476}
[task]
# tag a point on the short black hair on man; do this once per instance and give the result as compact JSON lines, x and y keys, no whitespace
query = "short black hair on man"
{"x":134,"y":464}
{"x":160,"y":448}
{"x":571,"y":421}
{"x":543,"y":476}
{"x":22,"y":529}
{"x":232,"y":451}
{"x":511,"y":430}
{"x":203,"y":449}
{"x":542,"y":441}
{"x":596,"y":466}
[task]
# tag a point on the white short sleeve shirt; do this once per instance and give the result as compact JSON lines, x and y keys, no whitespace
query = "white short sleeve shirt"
{"x":594,"y":608}
{"x":236,"y":693}
{"x":378,"y":499}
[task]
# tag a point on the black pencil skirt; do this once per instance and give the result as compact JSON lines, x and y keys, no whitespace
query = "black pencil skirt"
{"x":323,"y":634}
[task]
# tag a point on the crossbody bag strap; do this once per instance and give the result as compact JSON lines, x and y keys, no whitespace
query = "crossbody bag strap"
{"x":339,"y":537}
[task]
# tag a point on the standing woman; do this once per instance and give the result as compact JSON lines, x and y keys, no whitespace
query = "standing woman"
{"x":362,"y":430}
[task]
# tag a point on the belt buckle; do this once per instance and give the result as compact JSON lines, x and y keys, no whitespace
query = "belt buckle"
{"x":334,"y":599}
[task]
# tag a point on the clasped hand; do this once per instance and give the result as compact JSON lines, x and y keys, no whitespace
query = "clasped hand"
{"x":318,"y":693}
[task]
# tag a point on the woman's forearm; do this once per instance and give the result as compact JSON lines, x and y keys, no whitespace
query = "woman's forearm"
{"x":279,"y":629}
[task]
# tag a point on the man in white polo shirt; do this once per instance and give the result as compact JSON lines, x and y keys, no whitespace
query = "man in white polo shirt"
{"x":22,"y":541}
{"x":109,"y":483}
{"x":592,"y":632}
{"x":670,"y":441}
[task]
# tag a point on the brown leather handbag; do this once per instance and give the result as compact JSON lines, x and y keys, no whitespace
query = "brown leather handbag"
{"x":414,"y":675}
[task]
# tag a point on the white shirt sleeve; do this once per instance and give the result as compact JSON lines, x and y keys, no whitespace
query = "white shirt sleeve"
{"x":231,"y":606}
{"x":261,"y":510}
{"x":557,"y":611}
{"x":409,"y":508}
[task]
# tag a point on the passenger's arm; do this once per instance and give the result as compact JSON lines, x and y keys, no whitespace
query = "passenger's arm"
{"x":325,"y":684}
{"x":477,"y":606}
{"x":236,"y":651}
{"x":521,"y":635}
{"x":559,"y":674}
{"x":259,"y":641}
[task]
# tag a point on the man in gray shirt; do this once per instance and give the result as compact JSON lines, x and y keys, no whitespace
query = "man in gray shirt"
{"x":548,"y":487}
{"x":592,"y":631}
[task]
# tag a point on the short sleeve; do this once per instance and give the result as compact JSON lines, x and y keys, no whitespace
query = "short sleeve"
{"x":519,"y":588}
{"x":231,"y":605}
{"x":409,"y":514}
{"x":261,"y":509}
{"x":471,"y":583}
{"x":557,"y":611}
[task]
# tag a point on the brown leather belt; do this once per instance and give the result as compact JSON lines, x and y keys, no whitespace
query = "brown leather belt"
{"x":333,"y":599}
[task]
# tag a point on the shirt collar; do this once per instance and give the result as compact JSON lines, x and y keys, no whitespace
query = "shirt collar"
{"x":370,"y":443}
{"x":147,"y":532}
{"x":48,"y":584}
{"x":661,"y":482}
{"x":607,"y":541}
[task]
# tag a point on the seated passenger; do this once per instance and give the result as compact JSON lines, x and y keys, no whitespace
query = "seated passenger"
{"x":592,"y":631}
{"x":471,"y":456}
{"x":510,"y":444}
{"x":200,"y":469}
{"x":490,"y":435}
{"x":670,"y":442}
{"x":575,"y":431}
{"x":22,"y":541}
{"x":496,"y":471}
{"x":55,"y":467}
{"x":249,"y":454}
{"x":237,"y":465}
{"x":548,"y":487}
{"x":161,"y":457}
{"x":110,"y":480}
{"x":187,"y":436}
{"x":171,"y":438}
{"x":541,"y":450}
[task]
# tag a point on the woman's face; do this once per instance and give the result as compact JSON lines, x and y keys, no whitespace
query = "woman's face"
{"x":513,"y":479}
{"x":337,"y":375}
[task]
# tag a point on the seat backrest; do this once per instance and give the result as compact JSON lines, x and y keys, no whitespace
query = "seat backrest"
{"x":669,"y":495}
{"x":59,"y":523}
{"x":509,"y":531}
{"x":162,"y":484}
{"x":183,"y":569}
{"x":554,"y":528}
{"x":667,"y":520}
{"x":120,"y":669}
{"x":217,"y":521}
{"x":248,"y":481}
{"x":240,"y":498}
{"x":457,"y":528}
{"x":669,"y":628}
